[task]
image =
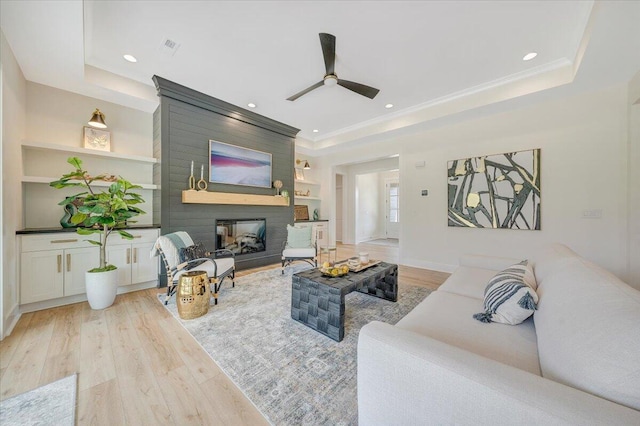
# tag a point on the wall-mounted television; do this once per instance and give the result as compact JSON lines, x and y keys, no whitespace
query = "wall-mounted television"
{"x":235,"y":165}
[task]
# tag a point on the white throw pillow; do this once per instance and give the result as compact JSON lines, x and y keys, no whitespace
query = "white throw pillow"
{"x":510,"y":296}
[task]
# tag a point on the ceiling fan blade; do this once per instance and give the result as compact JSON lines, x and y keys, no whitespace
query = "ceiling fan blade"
{"x":305,"y":91}
{"x":328,"y":43}
{"x":360,"y":89}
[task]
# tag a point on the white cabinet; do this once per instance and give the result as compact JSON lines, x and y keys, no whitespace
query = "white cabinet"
{"x":49,"y":274}
{"x":132,"y":256}
{"x":53,"y":266}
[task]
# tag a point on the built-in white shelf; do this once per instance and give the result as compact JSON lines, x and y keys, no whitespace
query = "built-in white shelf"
{"x":87,"y":152}
{"x":47,"y":180}
{"x":302,"y":197}
{"x":307,"y":182}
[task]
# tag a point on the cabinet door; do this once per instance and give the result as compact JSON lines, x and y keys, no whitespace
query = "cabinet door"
{"x":77,"y":261}
{"x":120,"y":256}
{"x":322,"y":237}
{"x":42,"y":275}
{"x":143,"y":267}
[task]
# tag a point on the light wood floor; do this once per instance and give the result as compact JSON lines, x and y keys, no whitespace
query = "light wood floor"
{"x":136,"y":365}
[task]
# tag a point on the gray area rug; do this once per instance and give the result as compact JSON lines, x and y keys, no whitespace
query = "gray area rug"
{"x":293,"y":374}
{"x":52,"y":404}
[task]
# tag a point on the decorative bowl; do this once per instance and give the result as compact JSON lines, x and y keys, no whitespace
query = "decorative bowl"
{"x":328,"y":272}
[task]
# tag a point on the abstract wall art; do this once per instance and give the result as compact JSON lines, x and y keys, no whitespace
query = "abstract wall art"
{"x":495,"y":191}
{"x":236,"y":165}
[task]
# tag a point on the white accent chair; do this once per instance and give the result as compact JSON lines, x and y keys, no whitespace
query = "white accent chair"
{"x":306,"y":254}
{"x":217,"y":268}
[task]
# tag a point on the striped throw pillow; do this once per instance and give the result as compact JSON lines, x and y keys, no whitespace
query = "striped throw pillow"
{"x":510,"y":296}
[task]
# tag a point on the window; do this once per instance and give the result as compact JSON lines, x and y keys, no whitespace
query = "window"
{"x":394,"y":202}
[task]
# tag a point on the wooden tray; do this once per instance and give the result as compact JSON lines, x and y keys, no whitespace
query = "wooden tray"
{"x":362,"y":267}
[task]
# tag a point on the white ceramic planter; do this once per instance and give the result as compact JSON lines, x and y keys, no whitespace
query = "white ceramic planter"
{"x":101,"y":288}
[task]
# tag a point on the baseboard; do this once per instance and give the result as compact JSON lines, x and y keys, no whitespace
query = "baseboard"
{"x":425,"y":264}
{"x":78,"y":298}
{"x":10,"y":321}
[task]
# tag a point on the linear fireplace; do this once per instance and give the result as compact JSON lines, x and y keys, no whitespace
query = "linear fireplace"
{"x":241,"y":236}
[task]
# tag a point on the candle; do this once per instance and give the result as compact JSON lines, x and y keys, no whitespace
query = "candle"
{"x":202,"y":172}
{"x":191,"y":168}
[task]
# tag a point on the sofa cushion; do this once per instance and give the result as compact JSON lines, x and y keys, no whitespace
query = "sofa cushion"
{"x":298,"y":236}
{"x":468,"y":281}
{"x":448,"y":317}
{"x":588,"y":329}
{"x":550,"y":259}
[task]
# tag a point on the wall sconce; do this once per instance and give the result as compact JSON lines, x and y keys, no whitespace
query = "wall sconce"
{"x":97,"y":120}
{"x":306,"y":164}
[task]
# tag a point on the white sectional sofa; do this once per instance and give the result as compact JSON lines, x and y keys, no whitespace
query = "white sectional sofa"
{"x":575,"y":362}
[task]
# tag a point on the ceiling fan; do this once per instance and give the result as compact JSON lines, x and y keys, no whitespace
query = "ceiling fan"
{"x":328,"y":43}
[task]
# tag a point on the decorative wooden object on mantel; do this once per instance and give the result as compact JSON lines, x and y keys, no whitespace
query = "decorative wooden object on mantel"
{"x":205,"y":197}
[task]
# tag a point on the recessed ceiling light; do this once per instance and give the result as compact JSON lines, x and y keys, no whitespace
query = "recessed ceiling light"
{"x":315,"y":130}
{"x":529,"y":56}
{"x":251,"y":105}
{"x":130,"y":58}
{"x":387,"y":106}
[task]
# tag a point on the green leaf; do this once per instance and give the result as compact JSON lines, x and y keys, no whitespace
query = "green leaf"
{"x":105,"y":269}
{"x":86,"y":231}
{"x":125,"y":234}
{"x":95,"y":243}
{"x":75,"y":162}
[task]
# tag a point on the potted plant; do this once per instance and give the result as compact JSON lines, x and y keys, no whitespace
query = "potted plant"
{"x":100,"y":212}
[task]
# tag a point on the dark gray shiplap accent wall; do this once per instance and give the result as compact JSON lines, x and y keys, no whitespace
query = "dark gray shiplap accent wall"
{"x":157,"y":213}
{"x":188,"y":120}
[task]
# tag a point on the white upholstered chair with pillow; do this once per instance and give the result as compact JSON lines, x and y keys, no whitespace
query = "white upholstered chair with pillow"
{"x":179,"y":255}
{"x":300,"y":245}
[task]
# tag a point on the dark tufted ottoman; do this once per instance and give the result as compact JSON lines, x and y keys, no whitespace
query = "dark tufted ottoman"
{"x":318,"y":301}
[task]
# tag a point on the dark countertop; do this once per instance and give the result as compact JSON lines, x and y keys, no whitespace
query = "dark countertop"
{"x":26,"y":231}
{"x":310,"y":221}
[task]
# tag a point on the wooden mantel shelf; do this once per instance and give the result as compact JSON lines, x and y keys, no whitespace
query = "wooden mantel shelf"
{"x":205,"y":197}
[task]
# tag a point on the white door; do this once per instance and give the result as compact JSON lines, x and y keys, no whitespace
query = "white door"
{"x":339,"y":208}
{"x":120,"y":256}
{"x":144,"y":267}
{"x":393,"y":208}
{"x":42,"y":275}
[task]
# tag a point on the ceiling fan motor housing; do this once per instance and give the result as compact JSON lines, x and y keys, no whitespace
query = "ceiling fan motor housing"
{"x":330,"y":80}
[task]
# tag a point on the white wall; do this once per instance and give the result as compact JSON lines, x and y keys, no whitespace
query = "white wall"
{"x":584,"y":148}
{"x":58,"y":117}
{"x":367,"y":206}
{"x":13,"y":116}
{"x":634,"y":180}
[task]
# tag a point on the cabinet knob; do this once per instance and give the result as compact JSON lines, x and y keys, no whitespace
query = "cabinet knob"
{"x":68,"y":262}
{"x":128,"y":256}
{"x":59,"y":263}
